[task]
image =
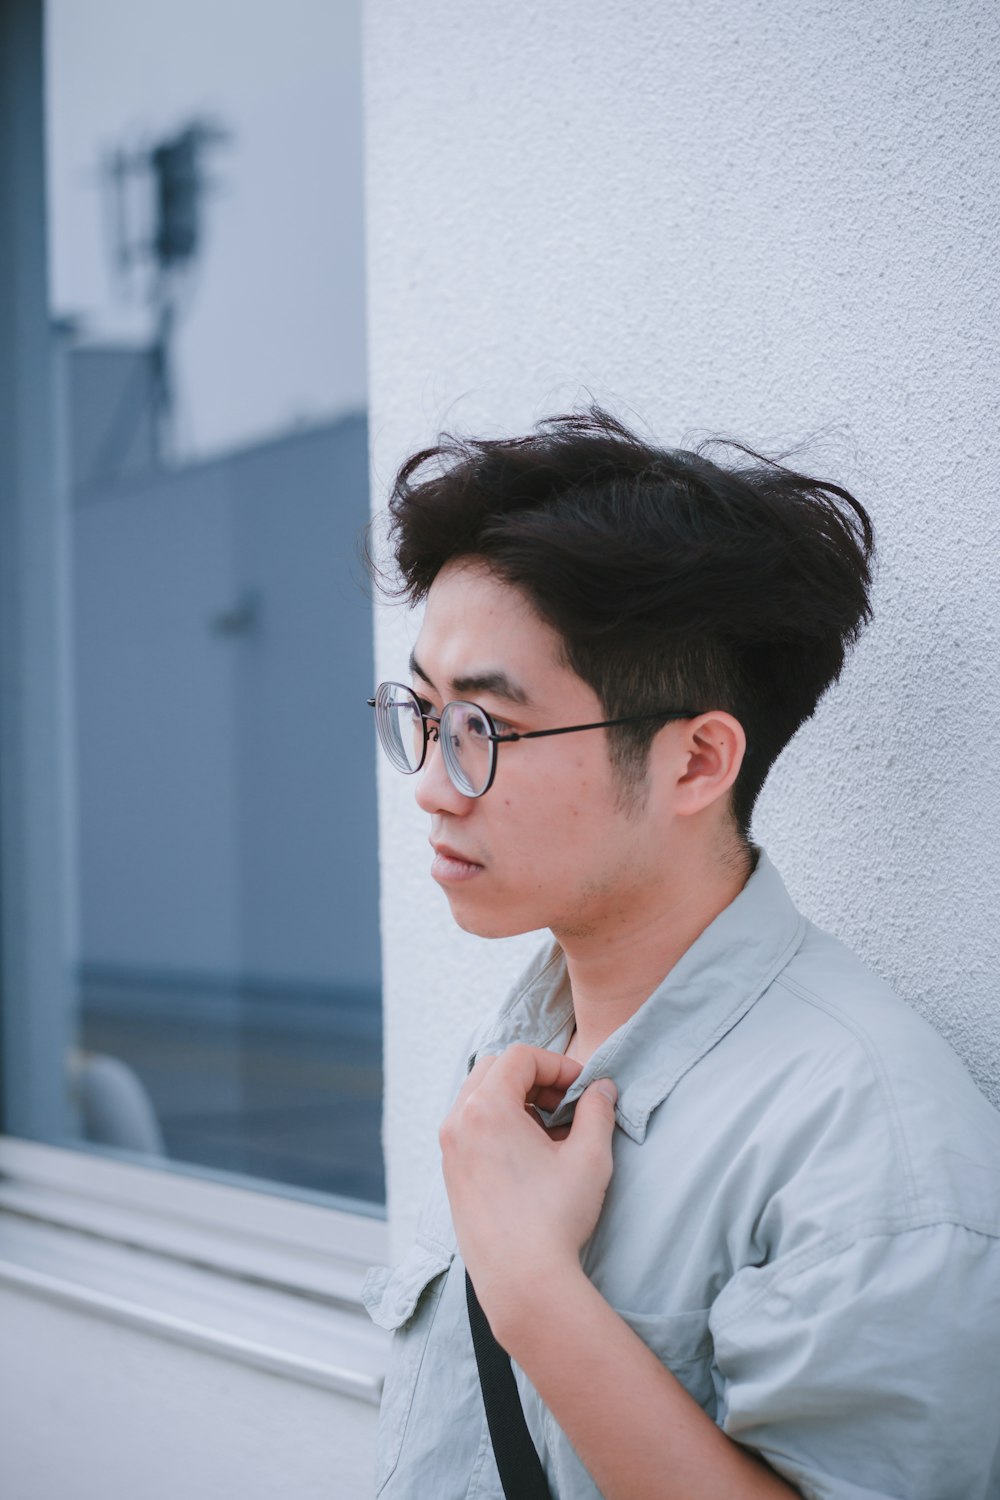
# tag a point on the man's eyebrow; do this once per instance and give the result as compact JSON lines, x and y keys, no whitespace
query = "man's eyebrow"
{"x":493,"y":681}
{"x":417,"y":670}
{"x":496,"y":683}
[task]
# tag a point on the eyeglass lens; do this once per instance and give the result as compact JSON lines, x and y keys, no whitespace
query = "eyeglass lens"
{"x":400,"y":726}
{"x":463,"y":735}
{"x":467,"y":749}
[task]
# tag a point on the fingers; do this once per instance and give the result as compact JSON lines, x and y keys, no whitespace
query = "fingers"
{"x":533,"y":1079}
{"x":601,"y":1096}
{"x":548,"y":1099}
{"x":530,"y":1074}
{"x":473,"y":1079}
{"x":594,"y":1122}
{"x":534,"y":1074}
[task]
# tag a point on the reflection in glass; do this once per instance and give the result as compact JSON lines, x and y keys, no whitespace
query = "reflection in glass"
{"x":216,"y":468}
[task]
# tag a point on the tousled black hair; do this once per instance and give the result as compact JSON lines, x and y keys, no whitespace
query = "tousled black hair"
{"x":671,"y":579}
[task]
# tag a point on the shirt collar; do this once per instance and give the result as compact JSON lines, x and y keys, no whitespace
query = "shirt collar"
{"x":705,"y":994}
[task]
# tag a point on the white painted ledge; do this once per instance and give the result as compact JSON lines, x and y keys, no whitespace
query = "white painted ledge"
{"x":255,"y":1234}
{"x":239,"y":1274}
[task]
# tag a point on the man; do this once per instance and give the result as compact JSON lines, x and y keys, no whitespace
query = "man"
{"x":729,"y":1205}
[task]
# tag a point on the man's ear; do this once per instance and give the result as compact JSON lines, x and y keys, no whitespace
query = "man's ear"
{"x":710,"y":751}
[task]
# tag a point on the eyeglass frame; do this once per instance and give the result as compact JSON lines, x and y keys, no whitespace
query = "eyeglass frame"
{"x":432,"y":725}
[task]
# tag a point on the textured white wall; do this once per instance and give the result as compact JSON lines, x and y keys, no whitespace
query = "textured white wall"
{"x":771,"y":220}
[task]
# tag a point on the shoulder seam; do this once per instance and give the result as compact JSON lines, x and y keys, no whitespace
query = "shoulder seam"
{"x":878,"y":1072}
{"x":808,"y":1259}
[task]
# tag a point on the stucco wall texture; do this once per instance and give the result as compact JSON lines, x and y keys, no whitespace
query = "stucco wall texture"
{"x":770,"y":220}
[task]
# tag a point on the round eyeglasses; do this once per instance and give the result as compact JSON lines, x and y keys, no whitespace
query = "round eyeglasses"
{"x":467,"y":735}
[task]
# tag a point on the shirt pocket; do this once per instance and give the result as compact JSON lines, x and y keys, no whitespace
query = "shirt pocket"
{"x":404,"y":1301}
{"x":683,"y":1343}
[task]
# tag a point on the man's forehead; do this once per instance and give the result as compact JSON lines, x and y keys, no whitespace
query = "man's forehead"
{"x":481,"y":634}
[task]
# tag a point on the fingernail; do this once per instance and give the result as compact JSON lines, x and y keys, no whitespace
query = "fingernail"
{"x":606,"y":1086}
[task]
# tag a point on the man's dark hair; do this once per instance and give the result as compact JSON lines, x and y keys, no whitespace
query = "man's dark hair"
{"x":671,"y":579}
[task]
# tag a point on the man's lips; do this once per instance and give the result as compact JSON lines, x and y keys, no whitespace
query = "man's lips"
{"x":449,"y":864}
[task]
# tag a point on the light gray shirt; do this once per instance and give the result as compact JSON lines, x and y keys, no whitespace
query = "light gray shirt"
{"x":803,"y":1223}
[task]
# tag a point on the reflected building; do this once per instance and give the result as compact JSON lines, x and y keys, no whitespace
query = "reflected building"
{"x":229,"y":950}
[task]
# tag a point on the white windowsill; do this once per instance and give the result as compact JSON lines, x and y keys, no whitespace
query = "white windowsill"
{"x":243,"y":1274}
{"x":254,"y":1234}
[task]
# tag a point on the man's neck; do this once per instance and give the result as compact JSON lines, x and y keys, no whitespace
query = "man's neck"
{"x":613,"y":970}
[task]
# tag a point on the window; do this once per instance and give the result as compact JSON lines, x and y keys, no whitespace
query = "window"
{"x":187,"y":803}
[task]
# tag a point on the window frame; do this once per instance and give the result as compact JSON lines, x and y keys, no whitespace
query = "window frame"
{"x":179,"y":1220}
{"x":253,"y":1233}
{"x":239,"y":1274}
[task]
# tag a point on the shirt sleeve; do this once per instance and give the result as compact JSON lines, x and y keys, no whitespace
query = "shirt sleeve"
{"x":870,"y":1372}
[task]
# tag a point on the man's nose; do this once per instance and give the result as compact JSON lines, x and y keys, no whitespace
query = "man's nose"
{"x":436,"y":792}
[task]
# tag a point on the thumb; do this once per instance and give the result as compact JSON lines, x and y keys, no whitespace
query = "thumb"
{"x":594,"y":1118}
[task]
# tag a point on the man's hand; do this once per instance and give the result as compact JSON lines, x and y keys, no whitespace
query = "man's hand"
{"x":524,"y":1201}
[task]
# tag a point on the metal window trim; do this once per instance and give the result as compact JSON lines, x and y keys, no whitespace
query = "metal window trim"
{"x":292,"y":1337}
{"x":253,"y":1235}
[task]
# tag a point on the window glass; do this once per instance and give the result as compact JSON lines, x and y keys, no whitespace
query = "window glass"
{"x":206,"y":283}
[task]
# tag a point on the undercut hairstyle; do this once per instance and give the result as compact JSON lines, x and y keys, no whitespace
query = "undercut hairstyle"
{"x":672,"y":579}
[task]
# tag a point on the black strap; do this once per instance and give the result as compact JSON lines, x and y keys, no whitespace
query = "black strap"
{"x":519,"y":1466}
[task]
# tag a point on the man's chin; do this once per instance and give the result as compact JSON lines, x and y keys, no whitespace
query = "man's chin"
{"x":487,"y":924}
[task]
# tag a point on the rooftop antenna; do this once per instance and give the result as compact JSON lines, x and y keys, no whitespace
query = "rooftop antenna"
{"x":157,"y":193}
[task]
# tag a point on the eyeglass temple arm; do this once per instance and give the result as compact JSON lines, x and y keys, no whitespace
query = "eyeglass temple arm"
{"x":538,"y":734}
